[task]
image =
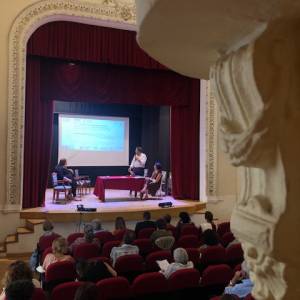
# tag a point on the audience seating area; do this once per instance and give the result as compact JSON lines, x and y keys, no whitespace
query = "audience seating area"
{"x":138,"y":276}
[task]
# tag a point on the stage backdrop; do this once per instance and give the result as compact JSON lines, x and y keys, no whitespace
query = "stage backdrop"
{"x":120,"y":73}
{"x":148,"y":126}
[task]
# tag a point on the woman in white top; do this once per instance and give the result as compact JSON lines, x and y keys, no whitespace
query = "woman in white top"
{"x":181,"y":261}
{"x":18,"y":270}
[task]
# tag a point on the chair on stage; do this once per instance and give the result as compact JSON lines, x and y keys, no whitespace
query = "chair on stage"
{"x":83,"y":183}
{"x":163,"y":185}
{"x":59,"y":186}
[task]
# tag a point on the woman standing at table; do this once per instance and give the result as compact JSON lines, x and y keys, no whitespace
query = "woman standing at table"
{"x":152,"y":184}
{"x":138,"y":163}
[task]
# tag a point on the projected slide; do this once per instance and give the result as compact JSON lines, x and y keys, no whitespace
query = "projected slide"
{"x":93,"y":140}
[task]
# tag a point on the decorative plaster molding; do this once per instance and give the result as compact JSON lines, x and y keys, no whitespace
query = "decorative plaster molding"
{"x":110,"y":13}
{"x":211,"y":142}
{"x":247,"y":133}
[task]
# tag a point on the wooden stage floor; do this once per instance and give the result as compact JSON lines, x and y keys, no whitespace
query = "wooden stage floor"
{"x":118,"y":203}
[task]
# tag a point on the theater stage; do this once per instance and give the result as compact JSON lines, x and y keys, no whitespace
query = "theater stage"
{"x":118,"y":203}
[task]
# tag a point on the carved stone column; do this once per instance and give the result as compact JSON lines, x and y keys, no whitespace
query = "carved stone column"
{"x":256,"y":81}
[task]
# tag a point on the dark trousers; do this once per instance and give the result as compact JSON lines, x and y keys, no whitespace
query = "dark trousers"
{"x":138,"y":171}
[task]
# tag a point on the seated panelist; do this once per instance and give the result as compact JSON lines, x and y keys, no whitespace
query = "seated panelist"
{"x":152,"y":183}
{"x":63,"y":173}
{"x":138,"y":162}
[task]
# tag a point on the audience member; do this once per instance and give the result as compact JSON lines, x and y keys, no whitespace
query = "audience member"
{"x":87,"y":238}
{"x":19,"y":290}
{"x":48,"y":228}
{"x":94,"y":271}
{"x":17,"y":270}
{"x":209,"y":223}
{"x":184,"y":219}
{"x":167,"y":219}
{"x":97,"y":226}
{"x":181,"y":261}
{"x":147,"y":223}
{"x":126,"y":248}
{"x":59,"y":250}
{"x":87,"y":291}
{"x":210,"y":238}
{"x":120,"y":225}
{"x":152,"y":184}
{"x":240,"y":285}
{"x":161,"y":230}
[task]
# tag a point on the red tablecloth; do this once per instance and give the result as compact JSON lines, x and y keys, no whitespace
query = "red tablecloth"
{"x":117,"y":183}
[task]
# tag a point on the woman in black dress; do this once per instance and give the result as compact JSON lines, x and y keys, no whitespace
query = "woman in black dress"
{"x":152,"y":183}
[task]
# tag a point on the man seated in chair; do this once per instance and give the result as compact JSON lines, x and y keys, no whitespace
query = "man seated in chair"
{"x":67,"y":175}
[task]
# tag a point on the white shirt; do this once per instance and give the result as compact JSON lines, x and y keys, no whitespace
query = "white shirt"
{"x":125,"y":249}
{"x":173,"y":267}
{"x":205,"y":226}
{"x":135,"y":163}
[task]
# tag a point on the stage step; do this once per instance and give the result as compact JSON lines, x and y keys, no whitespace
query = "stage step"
{"x":24,"y":230}
{"x":2,"y":247}
{"x":11,"y":238}
{"x":30,"y":223}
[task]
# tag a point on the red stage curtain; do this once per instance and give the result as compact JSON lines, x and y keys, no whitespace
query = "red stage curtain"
{"x":38,"y":132}
{"x":79,"y":42}
{"x":185,"y":145}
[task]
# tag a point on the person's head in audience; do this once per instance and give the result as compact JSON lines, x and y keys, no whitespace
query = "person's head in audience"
{"x":138,"y":150}
{"x":161,"y":224}
{"x":210,"y":238}
{"x":180,"y":256}
{"x":87,"y":291}
{"x":47,"y":226}
{"x":120,"y":223}
{"x":62,"y":162}
{"x":167,"y":218}
{"x":97,"y":226}
{"x":129,"y":237}
{"x":88,"y":233}
{"x":184,"y":217}
{"x":147,"y":216}
{"x":18,"y":270}
{"x":19,"y":290}
{"x":59,"y":247}
{"x":157,"y":167}
{"x":209,"y":217}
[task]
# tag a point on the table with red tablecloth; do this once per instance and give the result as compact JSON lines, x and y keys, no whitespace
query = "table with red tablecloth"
{"x":130,"y":183}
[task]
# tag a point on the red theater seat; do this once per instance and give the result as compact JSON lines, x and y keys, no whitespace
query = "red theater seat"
{"x":100,"y":258}
{"x":249,"y":297}
{"x":172,"y":229}
{"x":188,"y":241}
{"x":46,"y":241}
{"x":46,"y":251}
{"x":223,"y":228}
{"x":65,"y":291}
{"x":106,"y":249}
{"x":86,"y":251}
{"x":104,"y":236}
{"x":73,"y":237}
{"x":145,"y":246}
{"x":194,"y":255}
{"x":227,"y":238}
{"x":145,"y":233}
{"x":149,"y":283}
{"x":215,"y":279}
{"x":59,"y":272}
{"x":184,"y":279}
{"x":152,"y":258}
{"x":234,"y":255}
{"x":119,"y":236}
{"x":129,"y":266}
{"x":189,"y":229}
{"x":212,"y":255}
{"x":113,"y":288}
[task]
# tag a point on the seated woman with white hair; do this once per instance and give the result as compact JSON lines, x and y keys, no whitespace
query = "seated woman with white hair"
{"x":181,"y":261}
